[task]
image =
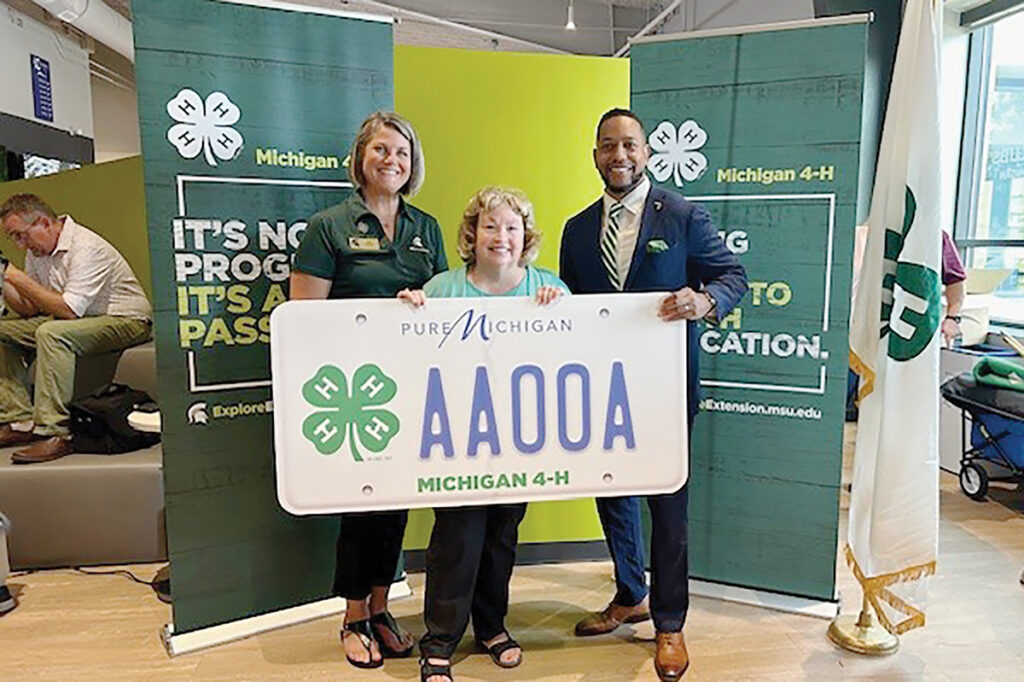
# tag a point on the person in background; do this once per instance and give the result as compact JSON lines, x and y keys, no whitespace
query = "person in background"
{"x":473,"y":549}
{"x":953,"y":276}
{"x":76,"y":296}
{"x":372,"y":245}
{"x":7,"y":600}
{"x":641,"y":238}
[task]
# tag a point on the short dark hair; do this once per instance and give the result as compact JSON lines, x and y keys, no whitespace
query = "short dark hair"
{"x":25,"y":205}
{"x":613,"y":113}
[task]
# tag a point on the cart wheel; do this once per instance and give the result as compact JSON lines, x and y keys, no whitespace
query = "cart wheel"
{"x":974,"y":481}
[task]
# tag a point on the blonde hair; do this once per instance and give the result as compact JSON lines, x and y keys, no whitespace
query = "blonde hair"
{"x":486,"y":200}
{"x":370,"y":127}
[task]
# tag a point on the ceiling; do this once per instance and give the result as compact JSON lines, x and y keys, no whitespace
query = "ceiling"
{"x":603,"y":26}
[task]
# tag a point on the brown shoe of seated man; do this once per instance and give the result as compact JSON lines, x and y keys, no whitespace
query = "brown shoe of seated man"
{"x":44,"y":451}
{"x":10,"y":437}
{"x":613,"y":616}
{"x":671,"y":659}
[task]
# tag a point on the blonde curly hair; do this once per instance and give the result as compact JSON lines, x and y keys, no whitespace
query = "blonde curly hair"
{"x":486,"y":200}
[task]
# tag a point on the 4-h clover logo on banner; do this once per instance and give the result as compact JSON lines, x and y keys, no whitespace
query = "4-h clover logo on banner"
{"x":356,"y":416}
{"x":204,"y":126}
{"x":677,"y":156}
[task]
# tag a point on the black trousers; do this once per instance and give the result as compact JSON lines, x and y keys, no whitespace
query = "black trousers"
{"x":369,"y":545}
{"x":669,"y":561}
{"x":469,"y":564}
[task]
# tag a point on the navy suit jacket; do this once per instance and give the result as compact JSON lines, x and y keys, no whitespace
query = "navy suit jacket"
{"x":696,"y":257}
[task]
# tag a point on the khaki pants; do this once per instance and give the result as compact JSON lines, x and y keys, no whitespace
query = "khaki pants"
{"x":56,"y":345}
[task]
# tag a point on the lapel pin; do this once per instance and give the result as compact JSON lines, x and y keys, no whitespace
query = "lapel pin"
{"x":657,"y":204}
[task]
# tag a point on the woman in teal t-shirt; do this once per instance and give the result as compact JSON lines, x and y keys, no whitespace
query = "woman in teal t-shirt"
{"x":472,"y":549}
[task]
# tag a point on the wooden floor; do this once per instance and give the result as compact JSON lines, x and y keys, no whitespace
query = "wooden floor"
{"x":70,"y":626}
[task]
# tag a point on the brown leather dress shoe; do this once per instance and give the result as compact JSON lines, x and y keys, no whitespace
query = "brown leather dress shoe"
{"x":671,"y":659}
{"x":44,"y":451}
{"x":10,"y":437}
{"x":614,"y":615}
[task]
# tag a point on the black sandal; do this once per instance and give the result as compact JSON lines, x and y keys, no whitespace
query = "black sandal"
{"x":386,"y":620}
{"x":362,"y":630}
{"x":496,"y":650}
{"x":428,"y":670}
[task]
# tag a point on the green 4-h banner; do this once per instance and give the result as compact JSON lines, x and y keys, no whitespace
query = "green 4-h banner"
{"x":247,"y":115}
{"x":894,"y":345}
{"x":768,"y":141}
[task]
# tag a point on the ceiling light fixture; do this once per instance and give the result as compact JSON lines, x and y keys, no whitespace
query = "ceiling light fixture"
{"x":570,"y":25}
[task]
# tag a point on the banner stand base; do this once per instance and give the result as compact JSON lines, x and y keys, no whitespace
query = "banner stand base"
{"x":196,"y":640}
{"x":803,"y":606}
{"x":189,"y":642}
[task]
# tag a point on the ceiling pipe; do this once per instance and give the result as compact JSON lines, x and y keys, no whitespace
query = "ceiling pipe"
{"x":97,"y":19}
{"x":654,"y":23}
{"x":430,"y":18}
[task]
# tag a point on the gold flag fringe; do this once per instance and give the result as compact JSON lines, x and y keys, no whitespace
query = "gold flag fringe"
{"x":867,"y":376}
{"x":876,"y":589}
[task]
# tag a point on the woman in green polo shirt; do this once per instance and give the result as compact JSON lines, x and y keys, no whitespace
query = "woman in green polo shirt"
{"x":472,"y":549}
{"x":373,"y":244}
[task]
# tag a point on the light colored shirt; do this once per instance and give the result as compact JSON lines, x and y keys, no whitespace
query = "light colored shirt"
{"x":456,"y":284}
{"x":90,"y":275}
{"x":629,"y":223}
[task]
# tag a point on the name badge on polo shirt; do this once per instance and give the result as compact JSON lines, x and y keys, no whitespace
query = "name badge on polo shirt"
{"x":364,"y":243}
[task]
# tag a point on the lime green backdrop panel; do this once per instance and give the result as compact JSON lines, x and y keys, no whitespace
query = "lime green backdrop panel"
{"x":524,"y":120}
{"x":105,"y":197}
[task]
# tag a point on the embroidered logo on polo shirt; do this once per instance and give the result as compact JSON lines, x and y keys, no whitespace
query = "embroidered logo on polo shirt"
{"x":417,"y":245}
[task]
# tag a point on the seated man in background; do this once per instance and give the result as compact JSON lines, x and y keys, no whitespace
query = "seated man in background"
{"x":76,"y":296}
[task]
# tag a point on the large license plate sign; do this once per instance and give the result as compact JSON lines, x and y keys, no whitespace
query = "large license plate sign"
{"x":470,"y":401}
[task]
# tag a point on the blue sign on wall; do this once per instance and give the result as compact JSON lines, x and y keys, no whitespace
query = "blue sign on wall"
{"x":42,"y":90}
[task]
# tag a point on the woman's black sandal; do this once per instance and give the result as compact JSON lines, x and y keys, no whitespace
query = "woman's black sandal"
{"x":496,"y":650}
{"x":362,"y":630}
{"x":428,"y":670}
{"x":386,"y":620}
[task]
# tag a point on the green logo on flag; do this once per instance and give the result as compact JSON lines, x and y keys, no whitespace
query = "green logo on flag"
{"x":921,"y":283}
{"x":357,"y":416}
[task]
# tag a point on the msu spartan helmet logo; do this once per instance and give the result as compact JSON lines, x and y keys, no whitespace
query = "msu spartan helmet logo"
{"x":197,"y":414}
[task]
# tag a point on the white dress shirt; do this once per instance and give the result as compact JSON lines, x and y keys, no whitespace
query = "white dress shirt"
{"x":91,"y":275}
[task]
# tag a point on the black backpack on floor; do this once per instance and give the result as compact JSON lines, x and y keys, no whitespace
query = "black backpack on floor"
{"x":99,"y":421}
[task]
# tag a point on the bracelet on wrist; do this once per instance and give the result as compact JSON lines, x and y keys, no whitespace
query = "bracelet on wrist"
{"x":955,"y":318}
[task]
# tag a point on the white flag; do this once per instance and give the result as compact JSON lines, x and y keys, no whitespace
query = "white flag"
{"x":893,"y":534}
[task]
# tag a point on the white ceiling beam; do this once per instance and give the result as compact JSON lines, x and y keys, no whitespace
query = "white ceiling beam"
{"x":430,"y":18}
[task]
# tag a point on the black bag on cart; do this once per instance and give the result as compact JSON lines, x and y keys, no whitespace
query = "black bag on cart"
{"x":99,"y":421}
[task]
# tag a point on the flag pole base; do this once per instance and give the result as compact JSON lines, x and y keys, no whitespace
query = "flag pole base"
{"x":863,"y":635}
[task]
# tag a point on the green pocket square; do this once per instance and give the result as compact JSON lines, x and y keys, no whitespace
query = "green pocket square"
{"x":656,"y":246}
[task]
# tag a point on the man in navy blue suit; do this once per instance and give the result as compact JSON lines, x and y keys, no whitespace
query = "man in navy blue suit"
{"x":641,"y":238}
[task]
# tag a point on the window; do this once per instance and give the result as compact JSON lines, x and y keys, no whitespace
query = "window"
{"x":37,"y":166}
{"x":990,"y":202}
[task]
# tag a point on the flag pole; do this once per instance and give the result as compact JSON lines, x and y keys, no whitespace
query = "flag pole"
{"x":863,"y":634}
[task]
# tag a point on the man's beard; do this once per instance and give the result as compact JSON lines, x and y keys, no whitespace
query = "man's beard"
{"x":622,"y":191}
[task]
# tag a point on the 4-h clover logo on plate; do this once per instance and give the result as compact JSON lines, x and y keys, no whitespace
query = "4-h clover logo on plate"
{"x":204,"y":126}
{"x":356,"y":416}
{"x":677,"y":156}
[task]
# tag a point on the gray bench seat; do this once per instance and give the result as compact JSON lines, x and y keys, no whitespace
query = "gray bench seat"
{"x":89,"y":509}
